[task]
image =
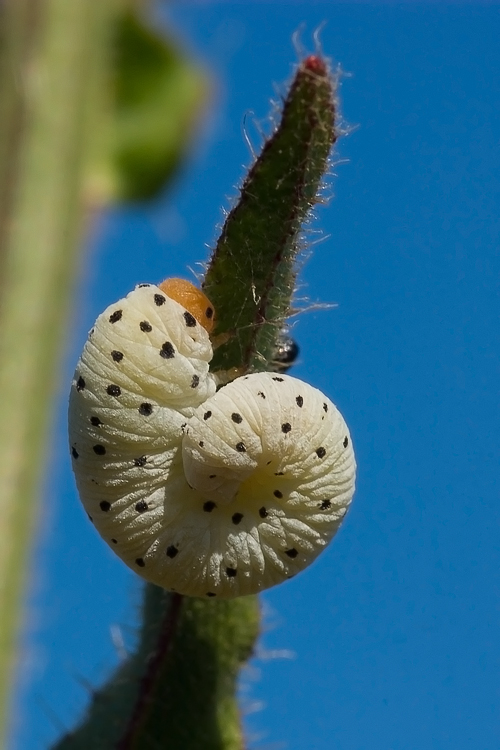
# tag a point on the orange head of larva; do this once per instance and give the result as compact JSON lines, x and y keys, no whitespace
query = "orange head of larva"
{"x":192,"y":298}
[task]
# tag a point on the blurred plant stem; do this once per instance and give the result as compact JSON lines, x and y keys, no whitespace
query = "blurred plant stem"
{"x":66,"y":119}
{"x":51,"y":71}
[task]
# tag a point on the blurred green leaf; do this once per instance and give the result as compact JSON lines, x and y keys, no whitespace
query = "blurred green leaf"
{"x":158,"y":98}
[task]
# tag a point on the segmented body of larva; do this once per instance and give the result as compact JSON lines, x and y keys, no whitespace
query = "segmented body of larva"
{"x":205,"y":493}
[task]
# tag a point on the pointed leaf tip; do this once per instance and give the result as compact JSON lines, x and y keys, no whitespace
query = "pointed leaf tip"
{"x":315,"y":64}
{"x":251,"y":276}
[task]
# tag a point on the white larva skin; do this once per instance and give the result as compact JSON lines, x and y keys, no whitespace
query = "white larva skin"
{"x":207,"y":494}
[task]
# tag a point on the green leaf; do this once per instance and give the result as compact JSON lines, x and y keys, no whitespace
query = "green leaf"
{"x":158,"y":97}
{"x":251,"y":276}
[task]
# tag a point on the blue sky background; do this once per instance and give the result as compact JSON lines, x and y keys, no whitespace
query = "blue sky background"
{"x":394,"y":633}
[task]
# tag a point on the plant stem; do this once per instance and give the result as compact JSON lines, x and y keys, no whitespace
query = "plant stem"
{"x":178,"y":690}
{"x":51,"y":63}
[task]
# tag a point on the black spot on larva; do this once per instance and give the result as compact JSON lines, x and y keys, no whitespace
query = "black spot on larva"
{"x":286,"y":427}
{"x":190,"y":320}
{"x":279,"y":380}
{"x":212,"y":476}
{"x":236,"y":518}
{"x":105,"y":506}
{"x":117,"y":356}
{"x":95,"y":421}
{"x":262,"y":512}
{"x":140,"y":562}
{"x":262,"y":395}
{"x":74,"y":453}
{"x":325,"y":504}
{"x":291,"y":552}
{"x":209,"y":506}
{"x":183,"y":426}
{"x":145,"y":326}
{"x":100,"y":450}
{"x":300,"y":401}
{"x":210,"y":593}
{"x":172,"y":551}
{"x":325,"y":407}
{"x":195,"y":381}
{"x":346,"y":442}
{"x":209,"y":313}
{"x":237,"y":418}
{"x":201,"y":443}
{"x":231,"y":572}
{"x":241,"y":448}
{"x":279,"y":473}
{"x":278,"y":494}
{"x":207,"y":415}
{"x":142,"y":286}
{"x":167,"y":350}
{"x":140,"y":461}
{"x":115,"y":541}
{"x":141,"y":506}
{"x":114,"y":390}
{"x":91,"y":332}
{"x":320,"y":452}
{"x":159,"y":300}
{"x":116,"y":316}
{"x":146,"y":409}
{"x":80,"y":384}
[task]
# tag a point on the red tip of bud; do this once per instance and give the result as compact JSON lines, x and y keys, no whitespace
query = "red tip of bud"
{"x":315,"y":64}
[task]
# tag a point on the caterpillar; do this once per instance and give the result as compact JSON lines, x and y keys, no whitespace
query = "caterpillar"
{"x":203,"y":491}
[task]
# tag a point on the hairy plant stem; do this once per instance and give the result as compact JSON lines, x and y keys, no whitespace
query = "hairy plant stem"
{"x":178,"y":689}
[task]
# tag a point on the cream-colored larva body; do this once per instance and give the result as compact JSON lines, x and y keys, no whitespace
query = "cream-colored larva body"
{"x":202,"y":492}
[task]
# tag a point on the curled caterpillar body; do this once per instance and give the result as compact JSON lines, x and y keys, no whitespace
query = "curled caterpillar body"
{"x":201,"y":492}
